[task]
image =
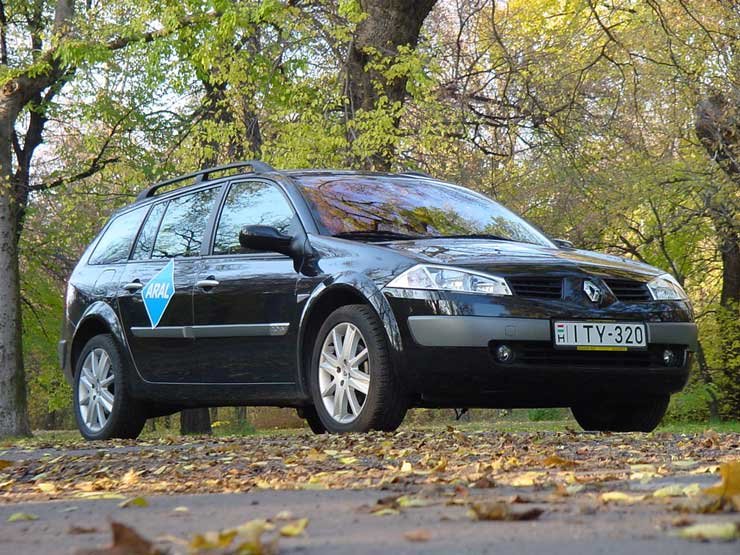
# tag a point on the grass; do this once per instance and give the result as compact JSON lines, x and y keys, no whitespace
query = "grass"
{"x":728,"y":426}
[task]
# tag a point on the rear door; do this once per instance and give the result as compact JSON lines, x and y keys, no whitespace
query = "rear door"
{"x":155,"y":296}
{"x":245,"y":302}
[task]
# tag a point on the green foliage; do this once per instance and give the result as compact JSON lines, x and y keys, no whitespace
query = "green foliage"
{"x":540,"y":415}
{"x":588,"y":135}
{"x":690,"y":405}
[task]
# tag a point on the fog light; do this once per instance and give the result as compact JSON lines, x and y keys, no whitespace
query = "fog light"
{"x":669,"y":358}
{"x":504,"y":354}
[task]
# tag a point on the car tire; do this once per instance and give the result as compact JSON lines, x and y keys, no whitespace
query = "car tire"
{"x":384,"y":405}
{"x":311,"y":417}
{"x":126,"y":417}
{"x":641,"y":415}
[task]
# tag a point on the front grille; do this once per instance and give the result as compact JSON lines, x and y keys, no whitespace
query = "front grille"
{"x":537,"y":287}
{"x":628,"y":290}
{"x":547,"y":356}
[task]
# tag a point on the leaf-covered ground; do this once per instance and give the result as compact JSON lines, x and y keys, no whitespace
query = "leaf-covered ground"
{"x":408,"y":459}
{"x":486,"y":475}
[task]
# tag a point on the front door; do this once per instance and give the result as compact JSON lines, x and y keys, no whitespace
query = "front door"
{"x":155,"y":299}
{"x":245,"y":302}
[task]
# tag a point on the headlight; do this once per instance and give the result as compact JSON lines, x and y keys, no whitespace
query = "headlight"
{"x":666,"y":288}
{"x":445,"y":278}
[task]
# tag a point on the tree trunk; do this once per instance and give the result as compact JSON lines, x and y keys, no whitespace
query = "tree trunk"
{"x":195,"y":421}
{"x":241,"y":415}
{"x":13,"y":405}
{"x":718,"y":129}
{"x":389,"y":24}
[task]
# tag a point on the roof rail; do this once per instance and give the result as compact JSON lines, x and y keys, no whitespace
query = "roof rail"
{"x":202,"y":175}
{"x":416,"y":172}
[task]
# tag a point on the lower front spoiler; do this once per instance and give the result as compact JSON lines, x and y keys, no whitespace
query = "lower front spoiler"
{"x":533,"y":388}
{"x":453,"y":363}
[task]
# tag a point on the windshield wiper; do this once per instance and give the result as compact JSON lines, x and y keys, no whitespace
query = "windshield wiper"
{"x":376,"y":234}
{"x":474,"y":236}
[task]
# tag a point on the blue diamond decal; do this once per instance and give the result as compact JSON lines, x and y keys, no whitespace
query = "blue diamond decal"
{"x":158,"y":292}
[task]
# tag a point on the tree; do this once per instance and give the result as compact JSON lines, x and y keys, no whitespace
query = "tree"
{"x":387,"y":27}
{"x":61,"y":42}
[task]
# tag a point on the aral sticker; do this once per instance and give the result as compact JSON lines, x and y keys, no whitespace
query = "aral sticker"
{"x":158,"y":292}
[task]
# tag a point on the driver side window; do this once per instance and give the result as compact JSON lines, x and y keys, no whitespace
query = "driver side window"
{"x":252,"y":203}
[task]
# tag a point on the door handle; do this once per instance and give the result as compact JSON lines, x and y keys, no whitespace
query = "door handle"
{"x":133,"y":286}
{"x":207,"y":283}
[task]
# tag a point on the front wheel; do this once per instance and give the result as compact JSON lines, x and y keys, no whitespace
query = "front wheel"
{"x":639,"y":415}
{"x":103,"y":407}
{"x":353,"y":382}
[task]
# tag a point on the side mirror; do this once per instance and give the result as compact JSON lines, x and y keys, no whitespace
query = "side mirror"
{"x":265,"y":238}
{"x":563,"y":244}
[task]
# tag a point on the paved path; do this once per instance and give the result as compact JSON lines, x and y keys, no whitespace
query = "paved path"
{"x":338,"y":525}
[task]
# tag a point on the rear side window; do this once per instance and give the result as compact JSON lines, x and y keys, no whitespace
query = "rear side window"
{"x":145,"y":242}
{"x":184,"y":223}
{"x":251,"y":203}
{"x":115,"y":244}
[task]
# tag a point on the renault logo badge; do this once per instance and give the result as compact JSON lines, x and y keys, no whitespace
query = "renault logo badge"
{"x":592,"y":291}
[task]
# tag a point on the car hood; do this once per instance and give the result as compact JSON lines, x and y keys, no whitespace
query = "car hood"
{"x":508,"y":256}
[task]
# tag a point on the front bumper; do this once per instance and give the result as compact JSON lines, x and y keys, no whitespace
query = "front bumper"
{"x":476,"y":331}
{"x":449,"y":344}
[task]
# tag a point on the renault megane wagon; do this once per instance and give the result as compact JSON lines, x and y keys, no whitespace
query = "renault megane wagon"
{"x":354,"y":297}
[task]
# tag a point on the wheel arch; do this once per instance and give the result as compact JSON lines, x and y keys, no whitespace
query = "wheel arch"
{"x":99,"y":318}
{"x":325,"y":299}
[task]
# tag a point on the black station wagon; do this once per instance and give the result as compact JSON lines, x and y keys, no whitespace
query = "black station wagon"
{"x":354,"y":297}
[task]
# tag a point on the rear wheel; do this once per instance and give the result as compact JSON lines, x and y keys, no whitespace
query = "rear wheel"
{"x":639,"y":415}
{"x":103,"y":407}
{"x":353,"y":382}
{"x":311,"y":417}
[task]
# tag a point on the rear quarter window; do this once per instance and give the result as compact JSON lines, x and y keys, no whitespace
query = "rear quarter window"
{"x":115,"y":244}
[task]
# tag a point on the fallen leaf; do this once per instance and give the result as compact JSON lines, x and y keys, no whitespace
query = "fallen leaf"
{"x":99,"y":495}
{"x":730,"y":484}
{"x":47,"y":487}
{"x":483,"y":483}
{"x":725,"y":531}
{"x":17,"y":517}
{"x":408,"y":501}
{"x":702,"y":504}
{"x":5,"y":464}
{"x":441,"y":465}
{"x":560,"y":462}
{"x":294,"y":528}
{"x":620,"y":497}
{"x":496,"y":510}
{"x":181,"y":509}
{"x":134,"y":502}
{"x":691,"y":490}
{"x":525,"y":479}
{"x":130,"y":478}
{"x":418,"y":535}
{"x":674,"y":490}
{"x":75,"y":529}
{"x":126,"y":541}
{"x":386,"y":511}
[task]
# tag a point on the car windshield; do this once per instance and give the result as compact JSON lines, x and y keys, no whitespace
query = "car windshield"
{"x":392,"y":208}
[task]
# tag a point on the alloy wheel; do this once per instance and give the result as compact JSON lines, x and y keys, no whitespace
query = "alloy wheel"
{"x":96,"y":390}
{"x":344,"y":372}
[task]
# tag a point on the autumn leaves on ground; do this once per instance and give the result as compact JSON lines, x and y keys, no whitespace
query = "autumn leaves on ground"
{"x":688,"y":484}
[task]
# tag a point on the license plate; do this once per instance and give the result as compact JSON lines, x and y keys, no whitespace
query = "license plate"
{"x":600,"y":336}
